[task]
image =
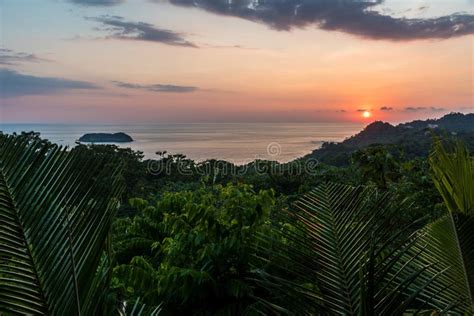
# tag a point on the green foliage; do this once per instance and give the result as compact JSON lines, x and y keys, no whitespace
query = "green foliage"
{"x":191,"y":250}
{"x":130,"y":161}
{"x":450,"y":241}
{"x":215,"y":238}
{"x":377,"y":165}
{"x":414,"y":187}
{"x":55,"y":215}
{"x":443,"y":249}
{"x":346,"y":251}
{"x":454,"y":177}
{"x":409,"y":181}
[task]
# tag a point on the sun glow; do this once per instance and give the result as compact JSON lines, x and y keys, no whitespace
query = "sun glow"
{"x":366,"y":114}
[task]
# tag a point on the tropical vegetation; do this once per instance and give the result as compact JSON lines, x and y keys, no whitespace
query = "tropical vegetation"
{"x":98,"y":230}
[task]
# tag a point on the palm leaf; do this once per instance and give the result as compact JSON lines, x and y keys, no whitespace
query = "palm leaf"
{"x":448,"y":242}
{"x":56,"y":208}
{"x":453,"y":176}
{"x":345,"y":255}
{"x":450,"y":239}
{"x":139,"y":309}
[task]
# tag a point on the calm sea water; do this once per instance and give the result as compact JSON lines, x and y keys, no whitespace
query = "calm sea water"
{"x":236,"y":142}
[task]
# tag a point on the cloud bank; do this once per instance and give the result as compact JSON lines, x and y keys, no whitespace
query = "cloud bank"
{"x":119,"y":28}
{"x":157,"y":87}
{"x":14,"y":84}
{"x":348,"y":16}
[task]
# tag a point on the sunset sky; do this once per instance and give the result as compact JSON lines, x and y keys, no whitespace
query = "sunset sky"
{"x":132,"y":61}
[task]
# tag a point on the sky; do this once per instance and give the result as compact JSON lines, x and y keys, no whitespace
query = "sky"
{"x":147,"y":61}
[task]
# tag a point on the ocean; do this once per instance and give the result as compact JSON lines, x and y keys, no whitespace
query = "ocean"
{"x":239,"y":143}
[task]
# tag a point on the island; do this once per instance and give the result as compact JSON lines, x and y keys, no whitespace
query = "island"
{"x":106,"y":138}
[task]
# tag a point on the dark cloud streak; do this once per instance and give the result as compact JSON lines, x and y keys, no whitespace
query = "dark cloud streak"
{"x":165,"y":88}
{"x":117,"y":27}
{"x":11,"y":57}
{"x":14,"y":84}
{"x":423,"y":109}
{"x":348,"y":16}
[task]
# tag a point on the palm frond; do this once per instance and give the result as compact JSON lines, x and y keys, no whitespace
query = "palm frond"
{"x":139,"y":309}
{"x":345,"y":255}
{"x":56,"y":208}
{"x":450,"y":241}
{"x":453,"y":175}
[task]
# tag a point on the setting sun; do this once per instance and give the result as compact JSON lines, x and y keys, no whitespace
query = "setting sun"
{"x":366,"y":114}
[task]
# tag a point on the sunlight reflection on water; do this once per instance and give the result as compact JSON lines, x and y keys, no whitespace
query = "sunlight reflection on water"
{"x":235,"y":142}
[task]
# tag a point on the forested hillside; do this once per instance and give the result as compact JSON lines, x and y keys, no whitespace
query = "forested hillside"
{"x":413,"y":139}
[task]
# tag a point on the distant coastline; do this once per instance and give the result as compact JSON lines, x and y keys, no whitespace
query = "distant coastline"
{"x":331,"y":143}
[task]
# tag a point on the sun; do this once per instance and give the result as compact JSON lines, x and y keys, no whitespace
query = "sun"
{"x":366,"y":114}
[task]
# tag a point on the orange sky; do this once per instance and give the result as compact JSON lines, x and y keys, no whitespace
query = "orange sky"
{"x":242,"y":70}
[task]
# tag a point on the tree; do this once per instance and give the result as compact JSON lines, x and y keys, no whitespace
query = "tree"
{"x":377,"y":165}
{"x":192,"y":249}
{"x":130,"y":161}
